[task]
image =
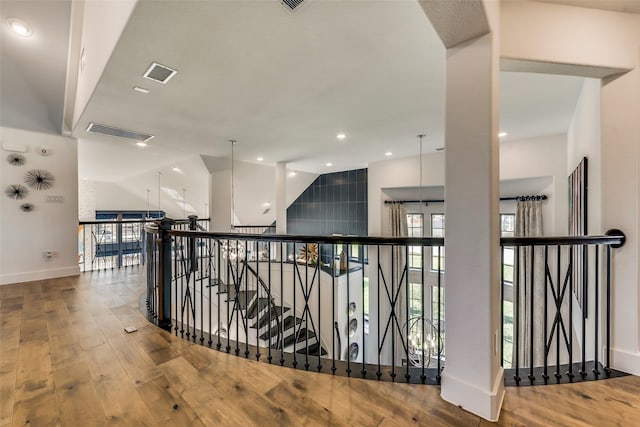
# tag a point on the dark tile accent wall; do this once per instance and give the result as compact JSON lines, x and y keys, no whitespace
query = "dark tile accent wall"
{"x":335,"y":203}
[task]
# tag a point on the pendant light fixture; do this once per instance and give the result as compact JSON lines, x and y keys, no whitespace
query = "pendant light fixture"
{"x":233,"y":204}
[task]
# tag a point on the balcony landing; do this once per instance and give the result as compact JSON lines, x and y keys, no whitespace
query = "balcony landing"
{"x":65,"y":359}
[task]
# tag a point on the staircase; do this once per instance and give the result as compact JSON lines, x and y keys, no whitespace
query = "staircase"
{"x":277,"y":326}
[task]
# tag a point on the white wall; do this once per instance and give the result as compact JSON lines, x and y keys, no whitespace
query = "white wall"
{"x":584,"y":140}
{"x":25,"y":236}
{"x":534,"y":165}
{"x":102,"y":25}
{"x":254,"y":186}
{"x":130,"y":193}
{"x":580,"y":40}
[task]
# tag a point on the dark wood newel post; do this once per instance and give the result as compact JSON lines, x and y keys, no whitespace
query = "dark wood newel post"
{"x":164,"y":274}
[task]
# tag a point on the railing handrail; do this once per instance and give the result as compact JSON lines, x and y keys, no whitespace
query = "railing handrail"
{"x":134,"y":220}
{"x":613,"y":240}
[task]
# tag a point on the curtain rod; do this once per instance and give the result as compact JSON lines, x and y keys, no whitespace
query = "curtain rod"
{"x":520,"y":198}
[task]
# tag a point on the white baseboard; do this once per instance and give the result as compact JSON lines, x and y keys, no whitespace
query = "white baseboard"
{"x":30,"y":276}
{"x":484,"y":403}
{"x":625,"y":361}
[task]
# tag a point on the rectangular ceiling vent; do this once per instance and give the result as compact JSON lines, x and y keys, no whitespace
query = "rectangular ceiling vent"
{"x":291,"y":4}
{"x":120,"y":133}
{"x":159,"y":73}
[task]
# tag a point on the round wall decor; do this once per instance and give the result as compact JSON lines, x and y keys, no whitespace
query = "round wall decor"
{"x":16,"y":159}
{"x":39,"y":179}
{"x":16,"y":191}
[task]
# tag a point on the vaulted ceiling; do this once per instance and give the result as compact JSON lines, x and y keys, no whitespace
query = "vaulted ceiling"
{"x":283,"y":84}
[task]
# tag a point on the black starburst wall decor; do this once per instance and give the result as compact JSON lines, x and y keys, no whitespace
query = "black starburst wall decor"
{"x":39,"y":179}
{"x":26,"y":207}
{"x":16,"y":191}
{"x":16,"y":159}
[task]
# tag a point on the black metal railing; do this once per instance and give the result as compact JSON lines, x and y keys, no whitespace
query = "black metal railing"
{"x":272,"y":298}
{"x":255,"y":229}
{"x":556,"y":308}
{"x":109,"y":244}
{"x":374,"y":307}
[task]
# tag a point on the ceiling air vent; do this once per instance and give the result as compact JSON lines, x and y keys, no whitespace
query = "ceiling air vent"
{"x":120,"y":133}
{"x":291,"y":4}
{"x":159,"y":73}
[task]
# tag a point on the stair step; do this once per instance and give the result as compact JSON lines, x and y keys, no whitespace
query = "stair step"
{"x":244,"y":297}
{"x":301,"y":337}
{"x":286,"y":324}
{"x":275,"y":313}
{"x":313,"y":350}
{"x":257,"y":306}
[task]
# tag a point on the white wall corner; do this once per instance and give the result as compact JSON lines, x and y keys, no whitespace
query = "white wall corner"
{"x":625,"y":361}
{"x":30,"y":276}
{"x":484,"y":403}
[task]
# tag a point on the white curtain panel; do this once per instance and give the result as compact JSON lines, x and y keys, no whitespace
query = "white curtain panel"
{"x":529,"y":224}
{"x":399,"y":228}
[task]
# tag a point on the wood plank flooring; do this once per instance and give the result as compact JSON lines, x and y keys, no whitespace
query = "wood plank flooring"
{"x":66,"y":360}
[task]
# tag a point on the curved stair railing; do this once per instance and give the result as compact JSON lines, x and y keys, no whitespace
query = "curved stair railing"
{"x":356,"y":314}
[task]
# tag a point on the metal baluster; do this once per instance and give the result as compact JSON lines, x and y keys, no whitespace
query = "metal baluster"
{"x":305,"y":311}
{"x":218,"y":245}
{"x":228,"y":288}
{"x":363,"y":371}
{"x":347,"y":323}
{"x":281,"y":325}
{"x":596,"y":309}
{"x":407,"y":376}
{"x":570,"y":371}
{"x":258,"y":308}
{"x":558,"y":304}
{"x":269,"y":357}
{"x":531,"y":318}
{"x":393,"y":331}
{"x":545,"y":374}
{"x":201,"y":293}
{"x":245,"y":268}
{"x":608,"y":366}
{"x":319,"y":338}
{"x":516,"y":315}
{"x":333,"y":309}
{"x":209,"y":254}
{"x":439,"y":337}
{"x":379,"y":371}
{"x":295,"y":333}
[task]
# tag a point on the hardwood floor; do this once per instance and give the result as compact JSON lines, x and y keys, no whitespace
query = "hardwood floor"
{"x":66,"y":360}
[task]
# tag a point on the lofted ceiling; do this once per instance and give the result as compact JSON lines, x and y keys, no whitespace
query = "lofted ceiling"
{"x":283,"y":84}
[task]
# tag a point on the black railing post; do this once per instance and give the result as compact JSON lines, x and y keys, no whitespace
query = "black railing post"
{"x":164,"y":274}
{"x":193,"y":256}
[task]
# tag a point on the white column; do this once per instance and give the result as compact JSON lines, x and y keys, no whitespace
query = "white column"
{"x":220,"y":200}
{"x":473,"y":378}
{"x":620,"y":209}
{"x":281,"y":198}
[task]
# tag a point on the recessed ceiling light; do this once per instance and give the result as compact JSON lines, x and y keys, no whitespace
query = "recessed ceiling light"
{"x":19,"y":27}
{"x":502,"y":134}
{"x":293,"y":173}
{"x":329,"y":164}
{"x":140,"y":89}
{"x":341,"y":136}
{"x":176,"y":169}
{"x":141,"y":144}
{"x":388,"y":153}
{"x":260,"y":159}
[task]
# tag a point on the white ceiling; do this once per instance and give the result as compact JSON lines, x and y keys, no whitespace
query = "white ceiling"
{"x":283,"y":84}
{"x":629,"y":6}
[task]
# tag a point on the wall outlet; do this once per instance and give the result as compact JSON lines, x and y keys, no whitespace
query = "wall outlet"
{"x":48,"y":254}
{"x":55,"y":199}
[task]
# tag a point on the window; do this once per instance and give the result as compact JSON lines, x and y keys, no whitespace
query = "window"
{"x":507,"y":229}
{"x":415,"y":300}
{"x":437,"y":252}
{"x":415,"y":224}
{"x":437,"y":306}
